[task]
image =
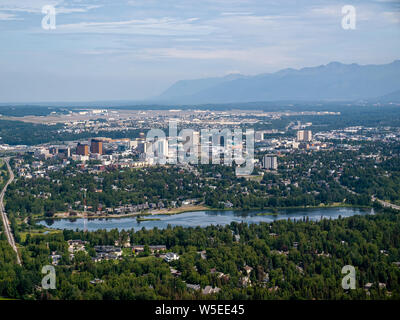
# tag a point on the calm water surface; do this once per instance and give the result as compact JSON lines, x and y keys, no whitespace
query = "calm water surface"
{"x":204,"y":218}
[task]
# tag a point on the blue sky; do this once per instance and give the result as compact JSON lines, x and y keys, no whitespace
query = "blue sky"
{"x":135,"y":49}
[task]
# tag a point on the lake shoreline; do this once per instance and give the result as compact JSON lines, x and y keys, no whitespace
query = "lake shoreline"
{"x":195,"y":209}
{"x":206,"y":218}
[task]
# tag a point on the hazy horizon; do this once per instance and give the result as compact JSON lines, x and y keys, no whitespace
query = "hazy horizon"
{"x":155,"y":100}
{"x":135,"y":50}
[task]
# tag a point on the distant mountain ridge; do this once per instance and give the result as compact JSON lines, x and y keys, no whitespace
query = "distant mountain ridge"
{"x":190,"y":87}
{"x":390,"y":97}
{"x":334,"y":81}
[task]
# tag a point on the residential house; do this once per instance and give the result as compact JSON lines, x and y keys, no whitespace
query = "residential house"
{"x":194,"y":287}
{"x":210,"y":290}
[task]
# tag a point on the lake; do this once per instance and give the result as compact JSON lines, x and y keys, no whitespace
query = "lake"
{"x":204,"y":218}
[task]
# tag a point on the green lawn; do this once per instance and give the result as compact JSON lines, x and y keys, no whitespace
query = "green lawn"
{"x":37,"y":232}
{"x":142,"y":259}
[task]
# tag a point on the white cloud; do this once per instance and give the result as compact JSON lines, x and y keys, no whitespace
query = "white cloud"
{"x":229,"y":72}
{"x":392,"y":16}
{"x":7,"y":16}
{"x":267,"y":56}
{"x":35,"y":6}
{"x":76,"y":10}
{"x":236,"y":13}
{"x":364,"y":12}
{"x":157,"y":27}
{"x":333,"y":11}
{"x":28,"y":6}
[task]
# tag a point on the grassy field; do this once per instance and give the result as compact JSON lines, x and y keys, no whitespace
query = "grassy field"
{"x":147,"y":219}
{"x":170,"y":211}
{"x":266,"y":214}
{"x":253,"y":178}
{"x":33,"y":233}
{"x":182,"y":209}
{"x":142,"y":259}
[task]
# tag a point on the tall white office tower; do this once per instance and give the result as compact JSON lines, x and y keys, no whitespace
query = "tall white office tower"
{"x":304,"y":135}
{"x":270,"y":162}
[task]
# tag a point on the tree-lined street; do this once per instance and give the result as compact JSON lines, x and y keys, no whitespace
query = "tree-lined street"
{"x":6,"y":223}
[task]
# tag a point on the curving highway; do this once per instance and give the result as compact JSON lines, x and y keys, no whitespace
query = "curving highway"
{"x":373,"y":198}
{"x":6,"y":223}
{"x":385,"y":203}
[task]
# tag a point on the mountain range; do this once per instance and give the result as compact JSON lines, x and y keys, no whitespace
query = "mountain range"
{"x":331,"y":82}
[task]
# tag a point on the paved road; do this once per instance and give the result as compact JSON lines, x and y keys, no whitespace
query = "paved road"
{"x":344,"y":187}
{"x":373,"y":198}
{"x":6,"y":223}
{"x":385,"y":203}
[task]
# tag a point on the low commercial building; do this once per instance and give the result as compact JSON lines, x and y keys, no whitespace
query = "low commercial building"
{"x":171,"y":256}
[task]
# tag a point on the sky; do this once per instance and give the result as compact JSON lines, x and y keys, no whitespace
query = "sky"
{"x":136,"y":49}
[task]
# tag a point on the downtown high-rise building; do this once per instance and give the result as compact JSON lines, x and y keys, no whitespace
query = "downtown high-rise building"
{"x":82,"y":149}
{"x":156,"y":150}
{"x":304,"y":135}
{"x":96,"y":146}
{"x":270,"y":162}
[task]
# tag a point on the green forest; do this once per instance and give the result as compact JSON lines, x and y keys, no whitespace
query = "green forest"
{"x":288,"y":260}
